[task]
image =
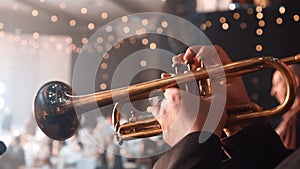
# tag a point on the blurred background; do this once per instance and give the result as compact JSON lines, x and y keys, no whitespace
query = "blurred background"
{"x":40,"y":41}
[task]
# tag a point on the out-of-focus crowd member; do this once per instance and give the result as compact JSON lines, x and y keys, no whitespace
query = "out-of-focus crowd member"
{"x":37,"y":151}
{"x":70,"y":154}
{"x":289,"y":127}
{"x":14,"y":157}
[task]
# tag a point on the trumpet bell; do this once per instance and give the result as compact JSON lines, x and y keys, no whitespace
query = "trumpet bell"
{"x":54,"y":111}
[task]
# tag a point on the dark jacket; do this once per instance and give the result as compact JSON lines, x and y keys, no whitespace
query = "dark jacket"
{"x":256,"y":147}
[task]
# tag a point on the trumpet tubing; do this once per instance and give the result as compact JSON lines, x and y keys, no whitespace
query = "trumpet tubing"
{"x":57,"y":108}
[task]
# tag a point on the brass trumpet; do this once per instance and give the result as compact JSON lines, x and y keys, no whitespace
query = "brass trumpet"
{"x":56,"y":106}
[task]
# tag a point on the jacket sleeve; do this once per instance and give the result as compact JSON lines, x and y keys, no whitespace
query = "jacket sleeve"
{"x":190,"y":153}
{"x":257,"y":146}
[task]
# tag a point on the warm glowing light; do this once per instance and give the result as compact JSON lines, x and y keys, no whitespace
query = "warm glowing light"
{"x":232,"y":6}
{"x":72,"y":22}
{"x":84,"y":10}
{"x":117,"y":45}
{"x":141,"y":31}
{"x":120,"y":39}
{"x":282,"y":10}
{"x":35,"y":12}
{"x":99,"y":39}
{"x":84,"y":40}
{"x":296,"y":18}
{"x":106,"y":56}
{"x":35,"y":35}
{"x":143,"y":63}
{"x":79,"y":50}
{"x":236,"y":16}
{"x":259,"y":48}
{"x":104,"y":66}
{"x":279,"y":21}
{"x":144,"y":22}
{"x":259,"y":31}
{"x":103,"y":86}
{"x":126,"y":29}
{"x":225,"y":26}
{"x":54,"y":18}
{"x":108,"y":28}
{"x":159,"y":30}
{"x":222,"y":19}
{"x":104,"y":15}
{"x":202,"y":26}
{"x":153,"y":46}
{"x":124,"y":18}
{"x":259,"y":9}
{"x":259,"y":15}
{"x":164,"y":24}
{"x":261,"y":23}
{"x":149,"y":109}
{"x":91,"y":26}
{"x":208,"y":23}
{"x":145,"y":41}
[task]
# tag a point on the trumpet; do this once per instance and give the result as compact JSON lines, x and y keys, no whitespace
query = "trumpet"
{"x":56,"y":107}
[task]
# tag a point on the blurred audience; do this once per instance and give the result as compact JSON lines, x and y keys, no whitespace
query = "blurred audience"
{"x":289,"y":127}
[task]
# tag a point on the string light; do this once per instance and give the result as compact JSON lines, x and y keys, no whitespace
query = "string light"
{"x":225,"y":26}
{"x":54,"y":18}
{"x":35,"y":12}
{"x":143,"y":63}
{"x":279,"y":21}
{"x":104,"y":15}
{"x":91,"y":26}
{"x":144,"y":22}
{"x":126,"y":29}
{"x":164,"y":24}
{"x":83,"y":10}
{"x":72,"y":22}
{"x":145,"y":41}
{"x":153,"y":46}
{"x":296,"y":17}
{"x":124,"y":18}
{"x":282,"y":10}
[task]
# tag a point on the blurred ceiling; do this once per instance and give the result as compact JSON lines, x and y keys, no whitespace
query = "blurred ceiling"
{"x":54,"y":16}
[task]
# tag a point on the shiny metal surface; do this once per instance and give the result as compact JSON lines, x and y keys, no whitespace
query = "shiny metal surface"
{"x":55,"y":102}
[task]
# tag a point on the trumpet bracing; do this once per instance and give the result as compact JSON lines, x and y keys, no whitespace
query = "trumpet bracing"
{"x":56,"y":107}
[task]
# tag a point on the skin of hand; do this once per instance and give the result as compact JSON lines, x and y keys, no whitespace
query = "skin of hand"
{"x":179,"y":114}
{"x":174,"y":112}
{"x":214,"y":55}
